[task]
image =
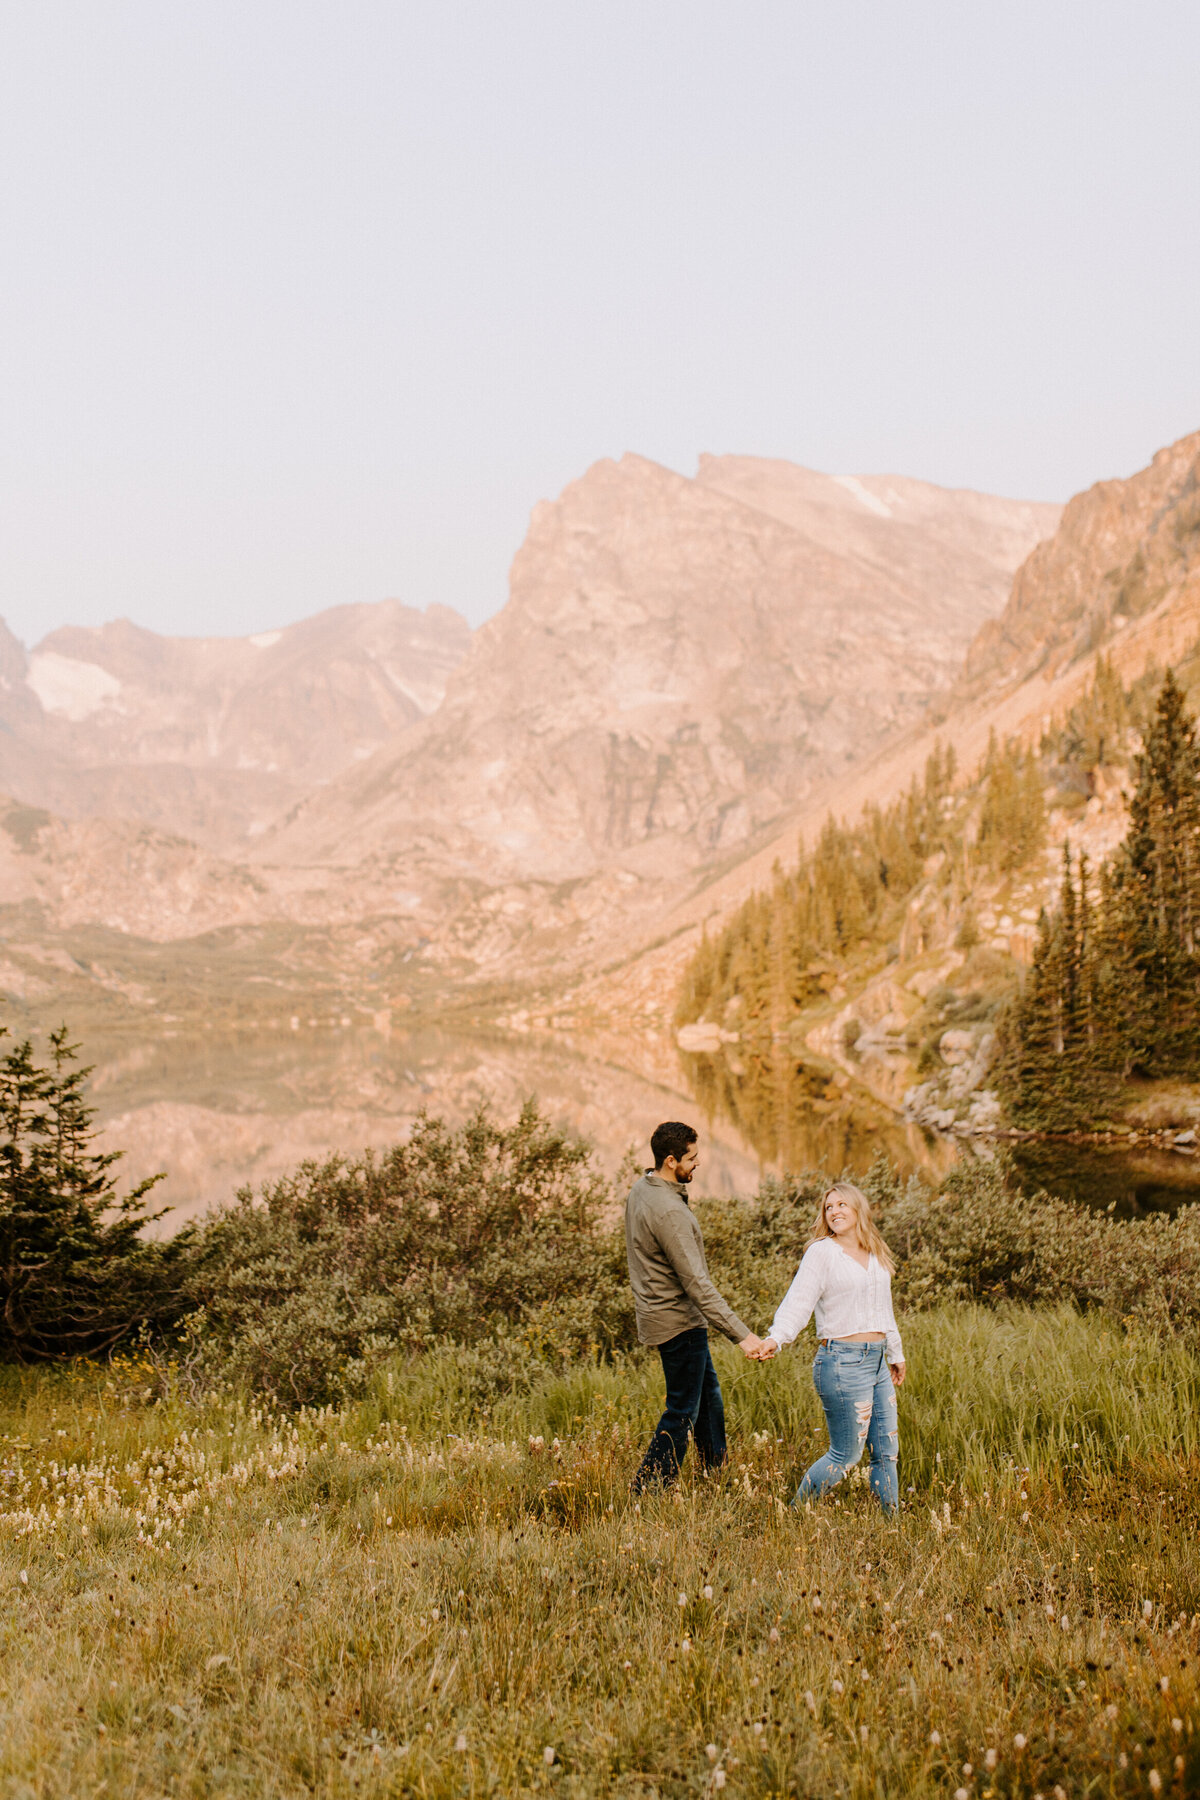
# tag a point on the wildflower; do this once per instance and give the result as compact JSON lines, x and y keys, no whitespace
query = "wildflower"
{"x":838,"y":1688}
{"x":1155,"y":1780}
{"x":968,"y":1770}
{"x":707,"y":1593}
{"x":773,"y":1635}
{"x":718,"y":1778}
{"x":961,"y":1794}
{"x":810,"y":1700}
{"x":710,"y":1750}
{"x":758,"y":1730}
{"x":627,"y":1665}
{"x":548,"y":1755}
{"x":683,"y":1599}
{"x":1176,"y":1725}
{"x":1110,"y":1712}
{"x":863,"y":1733}
{"x":1065,"y":1622}
{"x":25,"y":1577}
{"x":935,"y":1738}
{"x":1164,"y":1683}
{"x":864,"y":1674}
{"x":1179,"y":1765}
{"x":1147,"y":1609}
{"x":686,"y":1646}
{"x":990,"y":1759}
{"x":1019,"y":1741}
{"x":460,"y":1742}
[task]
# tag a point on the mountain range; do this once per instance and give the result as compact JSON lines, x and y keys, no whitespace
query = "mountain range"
{"x":681,"y":664}
{"x":379,"y":806}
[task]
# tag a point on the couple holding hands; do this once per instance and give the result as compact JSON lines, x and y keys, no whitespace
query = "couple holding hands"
{"x":844,"y":1277}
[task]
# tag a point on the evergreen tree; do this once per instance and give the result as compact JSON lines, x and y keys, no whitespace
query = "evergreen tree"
{"x":1012,"y":822}
{"x":1158,"y":884}
{"x":1115,"y":988}
{"x":76,"y":1274}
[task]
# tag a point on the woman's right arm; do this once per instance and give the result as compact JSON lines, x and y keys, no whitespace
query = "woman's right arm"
{"x":796,"y":1307}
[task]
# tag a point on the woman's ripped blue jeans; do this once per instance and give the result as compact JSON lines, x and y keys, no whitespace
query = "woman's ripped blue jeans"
{"x":855,"y":1388}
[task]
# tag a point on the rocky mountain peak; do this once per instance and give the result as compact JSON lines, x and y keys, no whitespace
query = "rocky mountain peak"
{"x":214,"y":737}
{"x":1123,"y":548}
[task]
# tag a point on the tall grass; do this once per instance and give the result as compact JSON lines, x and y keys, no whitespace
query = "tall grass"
{"x":423,"y":1592}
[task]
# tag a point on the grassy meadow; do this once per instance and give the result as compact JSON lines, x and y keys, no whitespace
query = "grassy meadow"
{"x":421,"y":1592}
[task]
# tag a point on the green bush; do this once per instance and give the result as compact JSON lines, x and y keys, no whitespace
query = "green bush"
{"x":981,"y":1238}
{"x":484,"y":1233}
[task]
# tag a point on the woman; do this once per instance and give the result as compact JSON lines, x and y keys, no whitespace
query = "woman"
{"x":845,"y":1277}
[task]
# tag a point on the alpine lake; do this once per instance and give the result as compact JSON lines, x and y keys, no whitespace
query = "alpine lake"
{"x":217,"y":1111}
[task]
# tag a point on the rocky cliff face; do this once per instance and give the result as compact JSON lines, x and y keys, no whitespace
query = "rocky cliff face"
{"x":1124,"y":549}
{"x":678,"y":661}
{"x":213,"y":738}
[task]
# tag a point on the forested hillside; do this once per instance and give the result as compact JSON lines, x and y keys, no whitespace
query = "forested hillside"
{"x":1107,"y":987}
{"x":1115,"y":985}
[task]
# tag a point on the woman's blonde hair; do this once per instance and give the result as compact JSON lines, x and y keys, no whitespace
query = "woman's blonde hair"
{"x":868,"y":1232}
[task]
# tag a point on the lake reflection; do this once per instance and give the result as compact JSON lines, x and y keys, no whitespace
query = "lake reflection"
{"x":218,"y":1112}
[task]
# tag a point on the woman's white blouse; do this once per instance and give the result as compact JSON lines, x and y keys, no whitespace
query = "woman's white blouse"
{"x":845,"y":1297}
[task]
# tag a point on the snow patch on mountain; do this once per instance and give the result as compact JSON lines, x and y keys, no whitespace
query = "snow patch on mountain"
{"x":74,"y":690}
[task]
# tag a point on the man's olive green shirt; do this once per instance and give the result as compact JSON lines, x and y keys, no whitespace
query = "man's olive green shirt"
{"x":672,"y":1289}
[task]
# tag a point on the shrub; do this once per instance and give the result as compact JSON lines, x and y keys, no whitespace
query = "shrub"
{"x":458,"y":1235}
{"x":76,"y":1274}
{"x":981,"y":1238}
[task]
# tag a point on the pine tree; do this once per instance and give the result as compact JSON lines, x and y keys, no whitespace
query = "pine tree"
{"x":75,"y":1272}
{"x":1157,"y":885}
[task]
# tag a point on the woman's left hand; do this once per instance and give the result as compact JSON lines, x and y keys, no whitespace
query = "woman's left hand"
{"x":897,"y":1374}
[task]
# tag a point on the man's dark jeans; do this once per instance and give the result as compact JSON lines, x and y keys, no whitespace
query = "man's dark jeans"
{"x":694,"y":1408}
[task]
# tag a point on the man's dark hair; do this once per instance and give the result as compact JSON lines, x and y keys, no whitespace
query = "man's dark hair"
{"x":671,"y":1139}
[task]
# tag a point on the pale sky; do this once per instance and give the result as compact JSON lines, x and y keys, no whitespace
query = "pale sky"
{"x":310,"y":303}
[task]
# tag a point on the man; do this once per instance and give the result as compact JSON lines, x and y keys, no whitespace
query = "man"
{"x":674,"y":1302}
